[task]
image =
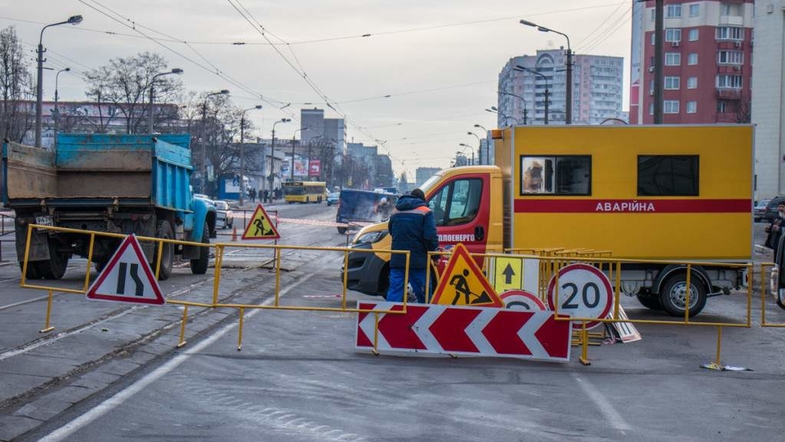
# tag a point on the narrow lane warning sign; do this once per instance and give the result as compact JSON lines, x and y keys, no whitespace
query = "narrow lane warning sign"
{"x":127,"y":277}
{"x":260,"y":226}
{"x":463,"y":283}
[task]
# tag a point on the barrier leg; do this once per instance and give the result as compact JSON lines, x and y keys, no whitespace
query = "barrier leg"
{"x":48,"y":327}
{"x":182,"y":327}
{"x":584,"y":345}
{"x":240,"y":330}
{"x":375,"y":333}
{"x":719,"y":346}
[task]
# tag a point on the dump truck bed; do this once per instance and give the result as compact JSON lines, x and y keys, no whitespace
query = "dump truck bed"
{"x":96,"y":169}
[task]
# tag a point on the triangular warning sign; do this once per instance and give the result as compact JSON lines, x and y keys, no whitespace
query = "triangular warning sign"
{"x":127,"y":277}
{"x":260,"y":227}
{"x":463,"y":283}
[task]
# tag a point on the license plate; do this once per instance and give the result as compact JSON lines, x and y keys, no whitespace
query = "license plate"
{"x":44,"y":221}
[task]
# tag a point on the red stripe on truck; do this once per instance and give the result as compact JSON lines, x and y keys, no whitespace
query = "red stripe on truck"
{"x":540,"y":205}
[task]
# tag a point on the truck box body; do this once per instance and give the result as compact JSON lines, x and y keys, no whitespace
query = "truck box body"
{"x":674,"y":193}
{"x":125,"y":184}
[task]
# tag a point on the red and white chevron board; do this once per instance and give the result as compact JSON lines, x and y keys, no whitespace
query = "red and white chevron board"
{"x":473,"y":331}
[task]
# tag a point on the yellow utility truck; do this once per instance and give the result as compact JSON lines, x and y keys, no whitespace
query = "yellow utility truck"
{"x":658,"y":193}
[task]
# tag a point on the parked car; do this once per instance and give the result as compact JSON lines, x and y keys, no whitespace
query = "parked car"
{"x":333,"y":198}
{"x":771,"y":208}
{"x":759,"y":211}
{"x":223,"y":218}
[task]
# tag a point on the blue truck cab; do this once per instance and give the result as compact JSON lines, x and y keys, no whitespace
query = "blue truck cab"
{"x":124,"y":184}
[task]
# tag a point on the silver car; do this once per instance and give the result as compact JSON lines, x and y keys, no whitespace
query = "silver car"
{"x":223,"y":218}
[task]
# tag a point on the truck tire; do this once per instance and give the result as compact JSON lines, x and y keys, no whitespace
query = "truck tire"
{"x":199,"y":265}
{"x":651,"y":302}
{"x":31,"y":270}
{"x":673,"y":295}
{"x":54,"y":267}
{"x":164,"y":231}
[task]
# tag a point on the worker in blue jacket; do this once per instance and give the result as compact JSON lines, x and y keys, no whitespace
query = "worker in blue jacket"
{"x":412,"y":228}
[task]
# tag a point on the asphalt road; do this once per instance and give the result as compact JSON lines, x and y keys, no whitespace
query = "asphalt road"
{"x":299,"y":377}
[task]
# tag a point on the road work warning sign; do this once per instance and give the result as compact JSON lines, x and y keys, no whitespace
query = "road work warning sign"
{"x":260,"y":226}
{"x":463,"y":283}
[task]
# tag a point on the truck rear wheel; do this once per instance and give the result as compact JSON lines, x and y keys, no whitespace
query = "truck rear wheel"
{"x":199,"y":265}
{"x":673,"y":295}
{"x":31,"y":270}
{"x":164,"y":231}
{"x":53,"y":268}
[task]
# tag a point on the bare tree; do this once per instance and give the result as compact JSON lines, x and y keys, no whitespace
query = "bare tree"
{"x":743,"y":109}
{"x":126,"y":82}
{"x":16,"y":88}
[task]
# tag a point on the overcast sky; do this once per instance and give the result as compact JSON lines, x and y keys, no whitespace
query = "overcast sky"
{"x":437,"y":60}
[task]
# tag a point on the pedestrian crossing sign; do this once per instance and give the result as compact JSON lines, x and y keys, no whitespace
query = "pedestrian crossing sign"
{"x":260,"y":226}
{"x":463,"y":283}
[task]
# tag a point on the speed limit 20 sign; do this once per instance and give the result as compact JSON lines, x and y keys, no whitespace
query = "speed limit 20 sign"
{"x":584,"y":292}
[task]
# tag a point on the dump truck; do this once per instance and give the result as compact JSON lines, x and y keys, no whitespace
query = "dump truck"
{"x":126,"y":184}
{"x":645,"y":193}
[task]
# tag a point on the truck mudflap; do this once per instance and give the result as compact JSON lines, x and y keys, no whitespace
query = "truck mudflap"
{"x":39,"y":241}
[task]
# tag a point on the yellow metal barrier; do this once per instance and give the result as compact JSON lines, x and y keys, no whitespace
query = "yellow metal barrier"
{"x":220,"y":249}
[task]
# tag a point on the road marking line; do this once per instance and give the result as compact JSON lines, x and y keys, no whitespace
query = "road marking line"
{"x":119,"y":398}
{"x":605,"y":406}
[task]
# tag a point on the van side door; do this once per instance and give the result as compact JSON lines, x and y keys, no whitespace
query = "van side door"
{"x":461,"y":209}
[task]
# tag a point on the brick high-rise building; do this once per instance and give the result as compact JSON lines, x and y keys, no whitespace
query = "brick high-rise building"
{"x":707,"y":59}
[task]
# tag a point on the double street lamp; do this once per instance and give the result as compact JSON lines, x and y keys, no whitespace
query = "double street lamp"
{"x":568,"y":108}
{"x":520,"y":68}
{"x":176,"y":71}
{"x":73,"y":20}
{"x":525,"y":107}
{"x":470,"y":148}
{"x":242,"y":151}
{"x":57,"y":96}
{"x":270,"y":177}
{"x":479,"y":146}
{"x":203,"y":152}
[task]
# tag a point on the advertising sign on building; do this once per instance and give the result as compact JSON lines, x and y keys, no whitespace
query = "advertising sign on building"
{"x":315,"y":168}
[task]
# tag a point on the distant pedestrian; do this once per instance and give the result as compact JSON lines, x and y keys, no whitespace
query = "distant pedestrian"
{"x":775,"y":228}
{"x":252,"y":194}
{"x":412,"y":228}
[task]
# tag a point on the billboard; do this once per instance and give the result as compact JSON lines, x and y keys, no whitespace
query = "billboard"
{"x":314,"y":168}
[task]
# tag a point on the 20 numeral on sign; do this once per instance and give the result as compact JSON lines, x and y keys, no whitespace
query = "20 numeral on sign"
{"x":584,"y":292}
{"x":595,"y":295}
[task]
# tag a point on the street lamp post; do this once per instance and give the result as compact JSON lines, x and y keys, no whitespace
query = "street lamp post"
{"x":39,"y":90}
{"x":520,"y":68}
{"x":525,"y":106}
{"x":242,"y":151}
{"x":177,"y":71}
{"x":568,"y":109}
{"x":272,"y":151}
{"x":291,"y":172}
{"x":203,"y":152}
{"x":57,"y":96}
{"x":479,"y":146}
{"x":470,"y":148}
{"x":487,"y":160}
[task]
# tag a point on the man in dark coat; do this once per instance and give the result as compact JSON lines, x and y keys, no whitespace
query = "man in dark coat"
{"x":412,"y":228}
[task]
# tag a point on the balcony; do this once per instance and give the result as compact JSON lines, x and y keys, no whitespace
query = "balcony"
{"x":731,"y":20}
{"x":729,"y":94}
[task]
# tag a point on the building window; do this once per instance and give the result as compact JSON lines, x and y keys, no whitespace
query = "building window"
{"x":695,"y":10}
{"x":653,"y":14}
{"x":693,"y":35}
{"x":556,"y":175}
{"x":672,"y":59}
{"x":673,"y":35}
{"x":652,"y":38}
{"x":651,"y":108}
{"x":721,"y":105}
{"x":692,"y":83}
{"x":672,"y":83}
{"x":670,"y":106}
{"x":668,"y":175}
{"x":692,"y":59}
{"x":673,"y":11}
{"x":729,"y":82}
{"x":692,"y":107}
{"x":730,"y":33}
{"x":730,"y":57}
